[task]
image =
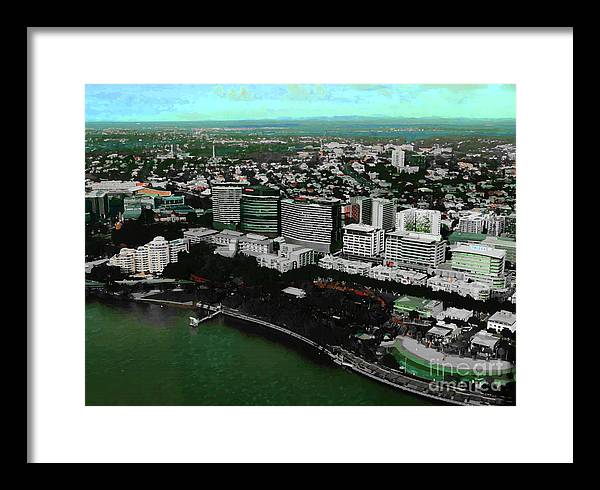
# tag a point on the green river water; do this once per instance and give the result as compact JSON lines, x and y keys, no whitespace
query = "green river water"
{"x":139,"y":354}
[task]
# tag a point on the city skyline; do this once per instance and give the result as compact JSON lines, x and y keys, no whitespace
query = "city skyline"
{"x":224,"y":102}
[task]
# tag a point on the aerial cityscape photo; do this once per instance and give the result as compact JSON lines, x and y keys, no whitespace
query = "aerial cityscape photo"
{"x":300,"y":245}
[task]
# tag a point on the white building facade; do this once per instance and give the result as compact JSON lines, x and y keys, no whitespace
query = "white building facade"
{"x":363,"y":240}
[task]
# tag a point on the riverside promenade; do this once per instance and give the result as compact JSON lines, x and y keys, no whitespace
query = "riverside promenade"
{"x":394,"y":378}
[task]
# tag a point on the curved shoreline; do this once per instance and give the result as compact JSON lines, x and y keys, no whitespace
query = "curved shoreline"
{"x":412,"y":385}
{"x":370,"y":370}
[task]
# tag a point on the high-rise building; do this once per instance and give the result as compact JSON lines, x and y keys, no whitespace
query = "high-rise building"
{"x":96,"y":203}
{"x":494,"y":224}
{"x":363,"y":240}
{"x":226,"y":202}
{"x":312,"y":222}
{"x":510,"y":224}
{"x":398,"y":158}
{"x":158,"y":254}
{"x":260,"y":210}
{"x":365,"y":209}
{"x":351,"y":213}
{"x":405,"y":248}
{"x":383,"y":214}
{"x":423,"y":221}
{"x":176,"y":246}
{"x":141,"y":259}
{"x":471,"y":224}
{"x":152,"y":257}
{"x":125,"y":260}
{"x":480,"y":263}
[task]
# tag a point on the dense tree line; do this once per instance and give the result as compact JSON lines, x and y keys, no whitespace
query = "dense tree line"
{"x":138,"y":232}
{"x":449,"y":299}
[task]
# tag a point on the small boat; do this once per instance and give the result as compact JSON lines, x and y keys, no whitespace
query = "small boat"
{"x":194,"y":322}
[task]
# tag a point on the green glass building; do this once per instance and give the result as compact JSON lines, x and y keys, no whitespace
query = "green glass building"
{"x":260,"y":210}
{"x":480,"y":263}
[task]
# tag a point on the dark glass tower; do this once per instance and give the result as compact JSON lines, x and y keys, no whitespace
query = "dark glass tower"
{"x":260,"y":210}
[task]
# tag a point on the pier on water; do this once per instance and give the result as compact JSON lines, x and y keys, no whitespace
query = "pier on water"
{"x":213,"y":312}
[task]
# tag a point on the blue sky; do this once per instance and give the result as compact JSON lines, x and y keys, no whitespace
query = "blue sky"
{"x":144,"y":102}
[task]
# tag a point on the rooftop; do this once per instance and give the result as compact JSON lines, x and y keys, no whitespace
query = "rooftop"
{"x":360,"y":227}
{"x":414,"y":302}
{"x":458,"y":313}
{"x":200,"y":232}
{"x":505,"y":317}
{"x":479,"y":250}
{"x":439,"y":330}
{"x":299,"y":293}
{"x":421,"y":237}
{"x":485,"y":339}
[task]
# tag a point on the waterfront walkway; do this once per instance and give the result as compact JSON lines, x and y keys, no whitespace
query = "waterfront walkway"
{"x":393,"y":378}
{"x":236,"y":314}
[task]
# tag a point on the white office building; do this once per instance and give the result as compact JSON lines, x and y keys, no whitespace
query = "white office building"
{"x":414,"y":248}
{"x":226,"y":203}
{"x":253,"y":243}
{"x":363,"y":240}
{"x":290,"y":257}
{"x":312,"y":222}
{"x":383,"y":214}
{"x":197,"y":235}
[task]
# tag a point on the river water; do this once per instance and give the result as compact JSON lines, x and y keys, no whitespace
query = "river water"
{"x":139,"y":354}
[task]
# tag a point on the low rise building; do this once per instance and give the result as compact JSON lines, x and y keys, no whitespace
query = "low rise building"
{"x":290,"y":257}
{"x":385,"y":273}
{"x":455,"y":282}
{"x":296,"y":292}
{"x":443,"y":332}
{"x":330,"y":262}
{"x":224,"y":238}
{"x":502,"y":319}
{"x":422,"y":306}
{"x":452,"y":313}
{"x":484,"y":343}
{"x":255,"y":243}
{"x":197,"y":235}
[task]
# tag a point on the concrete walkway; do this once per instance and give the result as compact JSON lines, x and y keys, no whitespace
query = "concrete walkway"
{"x":451,"y":361}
